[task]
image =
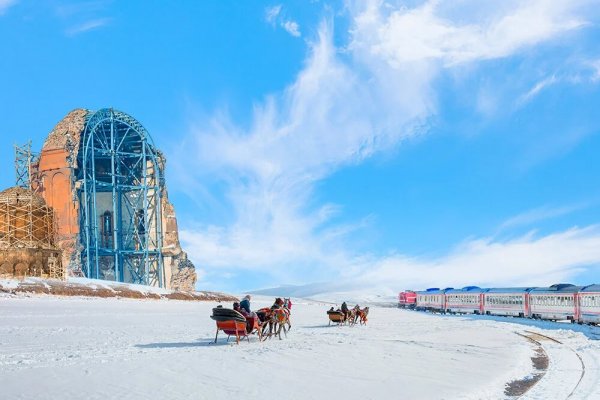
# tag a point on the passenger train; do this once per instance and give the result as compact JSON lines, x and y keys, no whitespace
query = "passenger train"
{"x":563,"y":301}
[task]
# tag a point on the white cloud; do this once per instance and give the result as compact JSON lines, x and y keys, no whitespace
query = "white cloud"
{"x":87,"y":26}
{"x":428,"y":32}
{"x":271,"y":13}
{"x":338,"y":112}
{"x":291,"y":27}
{"x":275,"y":16}
{"x":6,"y":4}
{"x":536,"y":89}
{"x":596,"y":71}
{"x":524,"y":261}
{"x":540,"y":214}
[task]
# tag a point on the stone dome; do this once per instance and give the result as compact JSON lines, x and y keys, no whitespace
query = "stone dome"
{"x":72,"y":124}
{"x":20,"y":196}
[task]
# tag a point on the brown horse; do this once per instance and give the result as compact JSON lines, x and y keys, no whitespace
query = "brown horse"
{"x":282,"y":317}
{"x":275,"y":319}
{"x":362,"y":315}
{"x":267,"y":321}
{"x":354,"y":315}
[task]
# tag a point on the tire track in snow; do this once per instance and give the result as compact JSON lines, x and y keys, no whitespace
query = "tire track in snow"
{"x":538,"y":339}
{"x":574,"y":351}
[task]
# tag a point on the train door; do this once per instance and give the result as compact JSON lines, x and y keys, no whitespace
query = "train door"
{"x":526,"y":304}
{"x":577,"y":306}
{"x":481,"y":304}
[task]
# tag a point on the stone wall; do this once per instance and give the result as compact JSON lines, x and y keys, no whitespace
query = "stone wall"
{"x":27,"y":262}
{"x":180,"y":272}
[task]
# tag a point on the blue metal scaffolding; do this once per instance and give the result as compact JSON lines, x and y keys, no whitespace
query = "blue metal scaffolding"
{"x":120,"y":188}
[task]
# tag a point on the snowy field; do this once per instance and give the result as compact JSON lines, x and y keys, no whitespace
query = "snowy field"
{"x":89,"y":348}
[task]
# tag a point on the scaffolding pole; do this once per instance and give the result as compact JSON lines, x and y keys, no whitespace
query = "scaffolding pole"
{"x":23,"y":161}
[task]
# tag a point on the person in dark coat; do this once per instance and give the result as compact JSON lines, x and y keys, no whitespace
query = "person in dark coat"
{"x":236,"y":307}
{"x":345,"y":309}
{"x":245,"y":304}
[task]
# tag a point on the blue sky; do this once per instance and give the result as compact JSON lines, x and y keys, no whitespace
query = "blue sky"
{"x":369,"y":144}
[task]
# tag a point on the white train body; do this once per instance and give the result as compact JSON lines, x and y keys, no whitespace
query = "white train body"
{"x":589,"y":304}
{"x":510,"y":302}
{"x":557,"y":302}
{"x":466,"y":300}
{"x":432,"y":300}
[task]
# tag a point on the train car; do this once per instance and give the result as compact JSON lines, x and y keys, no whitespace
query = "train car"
{"x":507,"y":301}
{"x":467,"y":300}
{"x":557,"y":302}
{"x":432,"y":299}
{"x":589,"y":304}
{"x":407,"y":299}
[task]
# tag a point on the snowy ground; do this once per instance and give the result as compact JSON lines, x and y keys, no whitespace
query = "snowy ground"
{"x":74,"y":348}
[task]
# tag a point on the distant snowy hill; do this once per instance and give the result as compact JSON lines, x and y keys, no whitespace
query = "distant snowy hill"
{"x":334,"y":293}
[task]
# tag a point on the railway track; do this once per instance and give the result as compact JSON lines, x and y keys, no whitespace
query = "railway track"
{"x":538,"y":339}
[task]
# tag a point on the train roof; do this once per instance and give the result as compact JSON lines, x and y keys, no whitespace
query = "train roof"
{"x":558,"y":288}
{"x":468,"y":289}
{"x":510,"y":290}
{"x":591,"y":288}
{"x":433,"y":291}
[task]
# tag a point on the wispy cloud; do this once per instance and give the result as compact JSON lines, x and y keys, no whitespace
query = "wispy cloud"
{"x":6,"y":4}
{"x":275,"y":16}
{"x":540,"y":214}
{"x":596,"y":71}
{"x":271,"y":13}
{"x":87,"y":26}
{"x":536,"y":89}
{"x":527,"y":260}
{"x":429,"y":32}
{"x":341,"y":111}
{"x":524,"y":261}
{"x":291,"y":27}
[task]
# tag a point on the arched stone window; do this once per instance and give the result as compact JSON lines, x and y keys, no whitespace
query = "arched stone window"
{"x":106,"y":228}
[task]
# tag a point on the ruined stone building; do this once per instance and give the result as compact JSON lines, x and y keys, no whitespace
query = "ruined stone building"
{"x":27,"y":226}
{"x":104,"y":178}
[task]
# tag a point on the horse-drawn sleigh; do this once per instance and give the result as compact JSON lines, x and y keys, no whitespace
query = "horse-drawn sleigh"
{"x":233,"y":323}
{"x":348,"y":316}
{"x":265,"y":323}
